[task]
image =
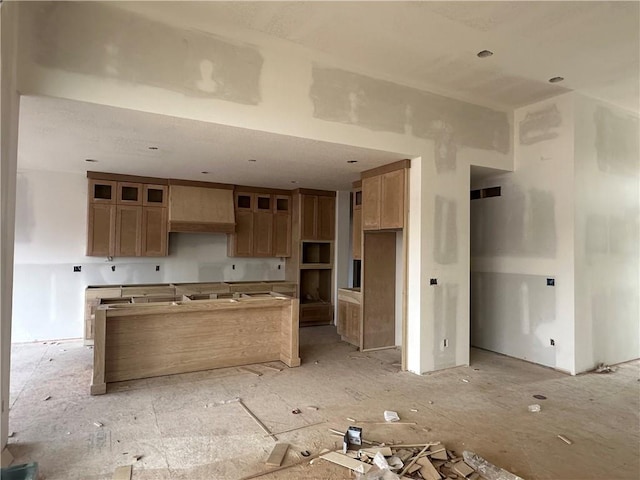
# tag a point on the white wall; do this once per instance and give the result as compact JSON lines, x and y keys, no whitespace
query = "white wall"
{"x":607,"y":240}
{"x":51,"y":227}
{"x":525,"y":236}
{"x":300,"y":93}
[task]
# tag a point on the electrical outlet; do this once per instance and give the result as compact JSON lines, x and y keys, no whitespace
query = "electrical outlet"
{"x":552,"y":342}
{"x":233,"y":267}
{"x":433,"y":281}
{"x":113,"y":268}
{"x":279,"y":267}
{"x":551,"y":282}
{"x":77,"y":268}
{"x":157,"y":268}
{"x":445,"y":342}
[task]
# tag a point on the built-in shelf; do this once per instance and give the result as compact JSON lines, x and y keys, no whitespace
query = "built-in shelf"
{"x":316,"y":253}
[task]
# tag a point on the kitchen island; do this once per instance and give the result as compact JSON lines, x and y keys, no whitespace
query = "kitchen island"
{"x":140,"y":340}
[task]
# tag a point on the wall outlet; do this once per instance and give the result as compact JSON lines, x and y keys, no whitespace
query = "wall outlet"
{"x":433,"y":281}
{"x":77,"y":268}
{"x":552,"y":342}
{"x":551,"y":282}
{"x":157,"y":268}
{"x":445,"y":342}
{"x":279,"y":267}
{"x":113,"y":268}
{"x":233,"y":267}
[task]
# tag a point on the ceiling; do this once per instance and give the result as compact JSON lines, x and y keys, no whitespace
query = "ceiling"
{"x":595,"y":46}
{"x":59,"y":134}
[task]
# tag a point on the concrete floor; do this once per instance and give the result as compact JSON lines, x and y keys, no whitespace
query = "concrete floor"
{"x":184,"y":427}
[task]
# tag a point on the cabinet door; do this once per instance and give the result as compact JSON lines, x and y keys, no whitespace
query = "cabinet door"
{"x":128,"y":231}
{"x":392,"y":204}
{"x":262,"y":234}
{"x":326,"y":218}
{"x":154,"y":232}
{"x":371,"y":197}
{"x":102,"y":191}
{"x":356,"y":238}
{"x":101,"y":230}
{"x":155,"y":195}
{"x":243,"y":238}
{"x":342,"y":317}
{"x":309,"y":217}
{"x":282,"y":235}
{"x":129,"y":193}
{"x":353,"y":323}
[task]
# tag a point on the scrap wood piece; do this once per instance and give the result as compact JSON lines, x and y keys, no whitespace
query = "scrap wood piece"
{"x":122,"y":473}
{"x":461,"y":468}
{"x":415,"y":459}
{"x":371,"y":451}
{"x":277,"y":469}
{"x":348,"y":462}
{"x":266,"y":365}
{"x":296,"y":428}
{"x":438,"y":452}
{"x":257,"y":420}
{"x":277,"y":455}
{"x":250,"y":370}
{"x":427,"y":470}
{"x":565,"y":439}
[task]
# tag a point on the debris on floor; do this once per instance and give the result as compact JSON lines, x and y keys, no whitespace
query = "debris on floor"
{"x":251,"y":371}
{"x":565,"y":439}
{"x":539,"y":397}
{"x":430,"y":461}
{"x":391,"y":416}
{"x":98,"y":424}
{"x":277,"y":455}
{"x":534,"y":408}
{"x":603,"y":368}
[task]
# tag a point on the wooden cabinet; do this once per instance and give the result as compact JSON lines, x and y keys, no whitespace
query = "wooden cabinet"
{"x":318,"y":217}
{"x":154,"y":232}
{"x":263,"y":225}
{"x":205,"y":209}
{"x":126,"y":219}
{"x":383,"y":201}
{"x":349,"y":316}
{"x":356,"y":233}
{"x":282,"y":226}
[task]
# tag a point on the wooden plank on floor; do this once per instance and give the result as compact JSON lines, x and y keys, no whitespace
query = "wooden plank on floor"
{"x":277,"y":455}
{"x":122,"y":473}
{"x":348,"y":462}
{"x":428,"y":471}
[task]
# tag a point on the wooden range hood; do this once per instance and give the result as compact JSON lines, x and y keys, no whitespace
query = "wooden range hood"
{"x":201,"y":207}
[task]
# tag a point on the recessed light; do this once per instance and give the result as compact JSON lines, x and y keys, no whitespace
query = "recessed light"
{"x":152,"y":148}
{"x":556,"y":79}
{"x":252,"y":160}
{"x":352,"y":161}
{"x":90,"y":160}
{"x":484,"y":53}
{"x":204,"y":173}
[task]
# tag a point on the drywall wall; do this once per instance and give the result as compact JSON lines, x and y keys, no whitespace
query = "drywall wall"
{"x":524,"y":237}
{"x":445,"y":137}
{"x":607,"y":234}
{"x":50,"y":240}
{"x":9,"y":107}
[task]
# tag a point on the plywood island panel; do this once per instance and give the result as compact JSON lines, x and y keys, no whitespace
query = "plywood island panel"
{"x":153,"y":339}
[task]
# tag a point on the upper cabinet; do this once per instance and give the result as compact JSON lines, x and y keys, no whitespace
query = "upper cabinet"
{"x":201,"y":207}
{"x":263,"y":224}
{"x":383,"y":197}
{"x":126,"y":218}
{"x":318,"y":216}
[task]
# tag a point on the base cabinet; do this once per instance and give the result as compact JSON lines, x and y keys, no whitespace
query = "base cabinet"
{"x":349,"y":322}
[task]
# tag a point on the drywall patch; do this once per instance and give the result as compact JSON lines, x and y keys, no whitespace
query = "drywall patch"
{"x":513,"y":314}
{"x":445,"y":242}
{"x":614,"y":313}
{"x":617,"y":142}
{"x":342,"y":96}
{"x":445,"y":308}
{"x":93,"y":39}
{"x":540,"y":125}
{"x":517,"y":223}
{"x":612,"y":235}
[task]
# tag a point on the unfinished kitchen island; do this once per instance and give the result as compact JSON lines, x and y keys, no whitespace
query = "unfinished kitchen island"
{"x":135,"y":341}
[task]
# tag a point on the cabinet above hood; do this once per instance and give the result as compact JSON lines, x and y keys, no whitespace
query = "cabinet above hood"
{"x":207,"y":208}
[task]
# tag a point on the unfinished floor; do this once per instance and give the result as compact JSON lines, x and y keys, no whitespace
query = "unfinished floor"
{"x":184,"y":427}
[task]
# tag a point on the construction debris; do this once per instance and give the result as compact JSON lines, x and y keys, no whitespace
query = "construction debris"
{"x":277,"y":455}
{"x":565,"y":439}
{"x":98,"y":424}
{"x":603,"y":368}
{"x":251,"y":371}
